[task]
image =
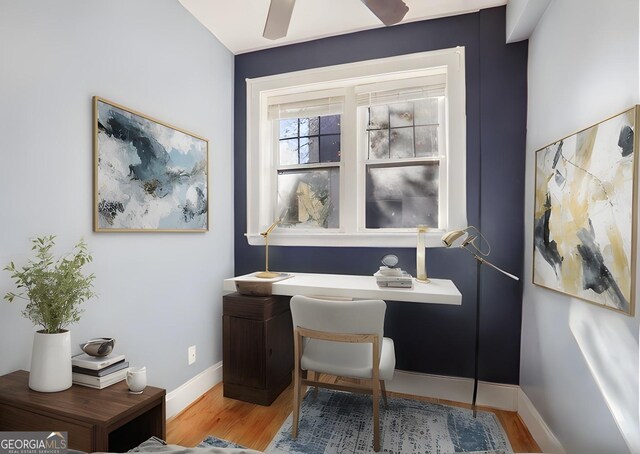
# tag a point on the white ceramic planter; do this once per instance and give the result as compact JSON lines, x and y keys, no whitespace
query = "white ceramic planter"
{"x":50,"y":362}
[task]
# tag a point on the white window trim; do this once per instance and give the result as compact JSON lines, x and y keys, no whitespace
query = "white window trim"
{"x":260,"y":159}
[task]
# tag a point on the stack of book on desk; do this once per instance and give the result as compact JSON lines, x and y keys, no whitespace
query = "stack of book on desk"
{"x":393,"y":277}
{"x":98,"y":372}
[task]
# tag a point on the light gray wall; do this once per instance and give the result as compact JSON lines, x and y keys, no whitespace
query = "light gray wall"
{"x":158,"y":293}
{"x":579,"y":362}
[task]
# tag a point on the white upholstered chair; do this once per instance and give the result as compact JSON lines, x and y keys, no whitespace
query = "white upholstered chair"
{"x":344,"y":339}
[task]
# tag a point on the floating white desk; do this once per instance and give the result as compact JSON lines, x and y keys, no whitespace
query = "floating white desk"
{"x":437,"y":291}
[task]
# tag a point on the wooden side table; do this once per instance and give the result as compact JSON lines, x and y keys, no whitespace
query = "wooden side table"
{"x":257,"y":353}
{"x":109,"y":420}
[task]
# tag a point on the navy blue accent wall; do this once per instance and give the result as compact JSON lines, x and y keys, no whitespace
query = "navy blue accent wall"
{"x":429,"y":338}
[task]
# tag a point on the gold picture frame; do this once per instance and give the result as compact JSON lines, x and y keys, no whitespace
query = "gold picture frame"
{"x":585,"y":210}
{"x":148,"y":176}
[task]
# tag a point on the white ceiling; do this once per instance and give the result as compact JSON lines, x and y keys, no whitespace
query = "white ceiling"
{"x":238,"y":24}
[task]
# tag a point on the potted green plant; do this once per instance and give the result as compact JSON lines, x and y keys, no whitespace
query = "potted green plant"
{"x":54,"y":290}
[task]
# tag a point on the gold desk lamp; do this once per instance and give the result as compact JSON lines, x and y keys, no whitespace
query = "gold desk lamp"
{"x":266,"y":274}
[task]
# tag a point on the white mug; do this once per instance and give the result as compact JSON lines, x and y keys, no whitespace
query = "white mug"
{"x":137,"y":379}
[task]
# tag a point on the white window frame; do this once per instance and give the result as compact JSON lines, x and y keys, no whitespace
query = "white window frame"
{"x":342,"y":80}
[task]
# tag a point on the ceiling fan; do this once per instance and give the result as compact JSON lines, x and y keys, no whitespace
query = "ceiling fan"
{"x":388,"y":11}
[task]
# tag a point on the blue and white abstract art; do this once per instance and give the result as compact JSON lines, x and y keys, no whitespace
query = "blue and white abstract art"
{"x":149,"y":176}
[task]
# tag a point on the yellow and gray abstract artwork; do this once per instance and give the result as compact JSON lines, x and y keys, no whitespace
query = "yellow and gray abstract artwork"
{"x":584,"y":212}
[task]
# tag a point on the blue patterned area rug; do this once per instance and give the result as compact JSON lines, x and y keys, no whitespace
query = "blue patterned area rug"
{"x":215,"y":442}
{"x":339,"y":422}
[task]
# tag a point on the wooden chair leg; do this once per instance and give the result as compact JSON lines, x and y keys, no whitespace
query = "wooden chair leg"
{"x":376,"y":417}
{"x":314,"y":376}
{"x":296,"y":405}
{"x":296,"y":386}
{"x":384,"y":394}
{"x":375,"y":391}
{"x":303,"y":391}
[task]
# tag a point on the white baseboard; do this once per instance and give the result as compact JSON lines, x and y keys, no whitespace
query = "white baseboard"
{"x":537,"y":427}
{"x":495,"y":395}
{"x":185,"y":394}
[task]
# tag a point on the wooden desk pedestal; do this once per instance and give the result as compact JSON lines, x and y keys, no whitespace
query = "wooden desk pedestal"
{"x":257,"y":347}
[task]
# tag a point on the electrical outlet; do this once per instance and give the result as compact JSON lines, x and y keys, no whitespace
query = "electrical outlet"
{"x":192,"y":354}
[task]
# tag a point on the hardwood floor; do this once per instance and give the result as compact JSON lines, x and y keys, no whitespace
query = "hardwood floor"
{"x":254,"y":426}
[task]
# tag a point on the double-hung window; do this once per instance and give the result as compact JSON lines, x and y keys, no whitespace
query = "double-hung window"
{"x":358,"y":154}
{"x":402,"y":143}
{"x":307,"y":148}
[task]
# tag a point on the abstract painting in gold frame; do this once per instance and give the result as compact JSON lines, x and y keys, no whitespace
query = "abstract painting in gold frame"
{"x":149,"y":176}
{"x":585,"y":214}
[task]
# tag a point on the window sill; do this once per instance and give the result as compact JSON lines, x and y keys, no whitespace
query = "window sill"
{"x":336,"y":239}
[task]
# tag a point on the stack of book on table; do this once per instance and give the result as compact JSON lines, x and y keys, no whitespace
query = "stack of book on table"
{"x":98,"y":372}
{"x":393,"y":277}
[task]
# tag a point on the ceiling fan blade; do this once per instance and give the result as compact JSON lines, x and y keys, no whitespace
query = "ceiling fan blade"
{"x":390,"y":12}
{"x":278,"y":19}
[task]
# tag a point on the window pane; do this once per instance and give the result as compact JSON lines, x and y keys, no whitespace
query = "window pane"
{"x":379,"y":144}
{"x":399,"y":137}
{"x":302,"y":143}
{"x":426,"y":111}
{"x":426,"y":140}
{"x":308,"y":150}
{"x":401,"y":143}
{"x":288,"y":152}
{"x":330,"y":124}
{"x":401,"y":114}
{"x":379,"y":117}
{"x":402,"y":197}
{"x":288,"y":128}
{"x":330,"y":148}
{"x":309,"y":199}
{"x":309,"y":126}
